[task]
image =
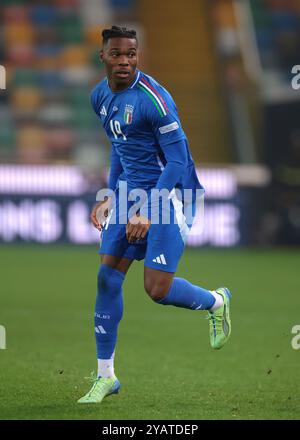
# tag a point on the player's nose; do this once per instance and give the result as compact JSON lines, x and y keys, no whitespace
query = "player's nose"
{"x":123,"y":61}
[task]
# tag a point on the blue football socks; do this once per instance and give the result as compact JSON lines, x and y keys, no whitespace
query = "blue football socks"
{"x":184,"y":294}
{"x":108,"y":310}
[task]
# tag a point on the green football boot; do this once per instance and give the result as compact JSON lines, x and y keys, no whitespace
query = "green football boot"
{"x":219,"y":321}
{"x":102,"y":387}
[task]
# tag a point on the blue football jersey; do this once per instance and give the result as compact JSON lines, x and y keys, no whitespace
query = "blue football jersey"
{"x":140,"y":121}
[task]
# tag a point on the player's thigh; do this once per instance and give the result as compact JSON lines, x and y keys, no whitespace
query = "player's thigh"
{"x":119,"y":263}
{"x":114,"y":248}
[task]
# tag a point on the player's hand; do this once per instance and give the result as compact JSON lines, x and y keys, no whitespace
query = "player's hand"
{"x":137,"y":228}
{"x":100,"y":212}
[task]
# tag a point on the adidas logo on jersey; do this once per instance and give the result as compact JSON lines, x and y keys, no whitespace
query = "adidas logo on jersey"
{"x":160,"y":260}
{"x":103,"y":111}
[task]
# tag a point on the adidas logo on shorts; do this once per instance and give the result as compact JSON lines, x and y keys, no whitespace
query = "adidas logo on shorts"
{"x":160,"y":260}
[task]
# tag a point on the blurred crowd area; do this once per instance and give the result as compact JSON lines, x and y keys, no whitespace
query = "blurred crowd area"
{"x":229,"y":64}
{"x":241,"y":75}
{"x":277,"y":24}
{"x":258,"y":43}
{"x":50,"y":51}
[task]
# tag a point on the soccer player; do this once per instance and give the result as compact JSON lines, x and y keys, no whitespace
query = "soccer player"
{"x":149,"y":151}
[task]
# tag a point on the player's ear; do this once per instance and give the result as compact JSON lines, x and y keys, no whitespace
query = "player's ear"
{"x":101,"y":56}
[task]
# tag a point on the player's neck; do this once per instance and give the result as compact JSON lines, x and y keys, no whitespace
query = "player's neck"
{"x":115,"y":87}
{"x":118,"y":87}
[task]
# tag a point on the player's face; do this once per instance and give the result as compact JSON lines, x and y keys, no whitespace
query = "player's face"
{"x":120,"y":58}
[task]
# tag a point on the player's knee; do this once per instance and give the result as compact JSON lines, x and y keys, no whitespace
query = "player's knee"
{"x":109,"y":280}
{"x":156,"y":289}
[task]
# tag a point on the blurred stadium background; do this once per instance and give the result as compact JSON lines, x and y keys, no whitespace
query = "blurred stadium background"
{"x":229,"y":66}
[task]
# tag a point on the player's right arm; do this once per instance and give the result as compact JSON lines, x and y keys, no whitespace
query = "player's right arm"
{"x":100,"y":211}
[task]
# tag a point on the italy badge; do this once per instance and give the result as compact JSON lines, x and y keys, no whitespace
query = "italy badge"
{"x":128,"y":113}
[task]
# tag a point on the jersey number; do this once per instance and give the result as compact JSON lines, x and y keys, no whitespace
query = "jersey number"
{"x":116,"y":129}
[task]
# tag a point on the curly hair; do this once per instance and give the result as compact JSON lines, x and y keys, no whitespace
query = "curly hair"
{"x":118,"y":32}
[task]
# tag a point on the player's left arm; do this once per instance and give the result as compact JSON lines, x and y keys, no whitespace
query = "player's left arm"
{"x":177,"y":161}
{"x":170,"y":137}
{"x":176,"y":156}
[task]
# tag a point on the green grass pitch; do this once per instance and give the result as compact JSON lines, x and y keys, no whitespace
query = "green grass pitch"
{"x":163,"y":358}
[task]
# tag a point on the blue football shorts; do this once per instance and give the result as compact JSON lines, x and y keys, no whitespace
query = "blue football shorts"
{"x":162,"y":246}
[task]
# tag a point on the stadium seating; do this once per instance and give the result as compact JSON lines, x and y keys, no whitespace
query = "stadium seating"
{"x":277,"y":33}
{"x":51,"y":55}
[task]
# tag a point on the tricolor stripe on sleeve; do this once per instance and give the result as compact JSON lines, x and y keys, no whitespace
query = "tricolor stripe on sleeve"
{"x":156,"y":98}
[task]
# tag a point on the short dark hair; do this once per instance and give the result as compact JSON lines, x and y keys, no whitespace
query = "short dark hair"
{"x":118,"y":32}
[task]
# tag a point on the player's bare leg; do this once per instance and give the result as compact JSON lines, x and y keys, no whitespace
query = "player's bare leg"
{"x":119,"y":263}
{"x":157,"y":283}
